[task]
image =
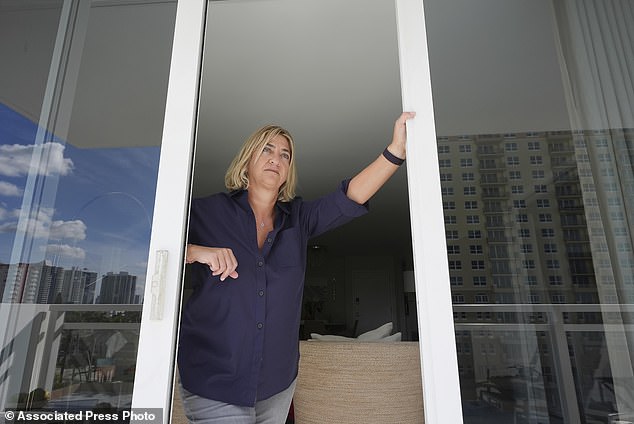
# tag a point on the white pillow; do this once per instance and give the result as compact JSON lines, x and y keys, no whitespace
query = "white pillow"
{"x":396,"y":337}
{"x":330,"y":337}
{"x":378,"y":333}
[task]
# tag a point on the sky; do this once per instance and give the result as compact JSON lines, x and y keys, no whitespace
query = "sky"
{"x":95,"y":209}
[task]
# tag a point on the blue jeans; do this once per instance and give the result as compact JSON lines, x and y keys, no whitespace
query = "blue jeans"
{"x":273,"y":410}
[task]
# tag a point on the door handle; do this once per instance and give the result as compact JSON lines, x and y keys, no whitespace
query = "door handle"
{"x":158,"y":285}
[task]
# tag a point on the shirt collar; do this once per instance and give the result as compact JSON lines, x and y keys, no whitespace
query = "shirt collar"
{"x":240,"y":196}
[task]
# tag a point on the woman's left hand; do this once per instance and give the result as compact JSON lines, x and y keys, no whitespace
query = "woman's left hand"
{"x":399,"y":138}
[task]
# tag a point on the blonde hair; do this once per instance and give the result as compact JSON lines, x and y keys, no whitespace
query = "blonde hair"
{"x":237,"y":177}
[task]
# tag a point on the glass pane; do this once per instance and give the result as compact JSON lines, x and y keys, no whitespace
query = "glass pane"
{"x":533,"y":112}
{"x":82,"y":94}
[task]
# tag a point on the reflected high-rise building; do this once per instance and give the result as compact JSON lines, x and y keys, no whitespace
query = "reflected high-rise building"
{"x":77,"y":286}
{"x":524,"y":218}
{"x":117,"y":288}
{"x":45,"y":284}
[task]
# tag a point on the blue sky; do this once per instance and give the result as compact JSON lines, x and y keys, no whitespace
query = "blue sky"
{"x":96,"y":209}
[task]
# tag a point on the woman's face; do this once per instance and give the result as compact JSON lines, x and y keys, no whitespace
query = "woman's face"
{"x":270,"y":169}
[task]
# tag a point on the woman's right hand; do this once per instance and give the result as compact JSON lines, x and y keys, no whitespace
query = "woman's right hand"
{"x":220,"y":260}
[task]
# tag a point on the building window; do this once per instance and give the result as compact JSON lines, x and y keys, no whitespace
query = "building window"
{"x":449,"y":205}
{"x":479,"y":281}
{"x":446,"y":177}
{"x":457,"y":298}
{"x":548,"y":232}
{"x":473,"y":219}
{"x":444,"y":163}
{"x":477,"y":265}
{"x":453,"y":249}
{"x":497,"y":251}
{"x":466,"y":163}
{"x":546,"y":217}
{"x":474,"y":234}
{"x":515,"y":175}
{"x":513,"y":160}
{"x":455,"y":265}
{"x":536,"y":160}
{"x":524,"y":232}
{"x":451,"y":234}
{"x":469,"y":191}
{"x":558,"y":298}
{"x":450,"y":219}
{"x":443,"y":149}
{"x":510,"y":147}
{"x":541,"y":188}
{"x":528,"y":264}
{"x":543,"y":203}
{"x":533,"y":145}
{"x":519,"y":204}
{"x":468,"y":176}
{"x":526,"y":248}
{"x":481,"y":298}
{"x":446,"y":191}
{"x":475,"y":249}
{"x":522,"y":217}
{"x":465,"y":148}
{"x":471,"y":204}
{"x":552,"y":264}
{"x":455,"y":280}
{"x":517,"y":189}
{"x":538,"y":174}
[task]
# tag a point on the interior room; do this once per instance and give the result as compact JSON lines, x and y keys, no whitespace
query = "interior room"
{"x":329,"y":73}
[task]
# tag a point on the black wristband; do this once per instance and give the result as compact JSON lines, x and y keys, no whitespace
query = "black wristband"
{"x":395,"y":160}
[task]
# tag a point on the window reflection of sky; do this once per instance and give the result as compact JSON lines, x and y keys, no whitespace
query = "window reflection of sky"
{"x":103,"y":206}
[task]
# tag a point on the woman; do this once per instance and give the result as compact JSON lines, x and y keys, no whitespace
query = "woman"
{"x":239,"y":348}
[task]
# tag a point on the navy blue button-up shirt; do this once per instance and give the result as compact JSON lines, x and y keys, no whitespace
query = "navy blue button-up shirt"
{"x":239,"y":338}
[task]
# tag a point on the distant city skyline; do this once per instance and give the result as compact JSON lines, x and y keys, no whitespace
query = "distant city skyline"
{"x":94,"y":206}
{"x":44,"y":283}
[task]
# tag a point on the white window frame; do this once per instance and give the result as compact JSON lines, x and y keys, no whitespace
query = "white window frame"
{"x":439,"y":361}
{"x":157,"y":346}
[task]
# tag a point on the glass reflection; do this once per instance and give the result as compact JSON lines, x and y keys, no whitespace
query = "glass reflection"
{"x":535,"y":156}
{"x":79,"y":152}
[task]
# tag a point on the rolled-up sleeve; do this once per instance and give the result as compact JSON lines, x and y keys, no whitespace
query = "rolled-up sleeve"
{"x":330,"y":211}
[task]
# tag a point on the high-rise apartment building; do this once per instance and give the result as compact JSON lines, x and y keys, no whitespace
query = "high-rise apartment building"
{"x":117,"y":288}
{"x":43,"y":283}
{"x":524,"y":229}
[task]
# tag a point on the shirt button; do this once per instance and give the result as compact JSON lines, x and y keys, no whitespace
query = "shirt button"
{"x":260,"y":263}
{"x":261,"y":293}
{"x":260,"y":325}
{"x":269,"y":240}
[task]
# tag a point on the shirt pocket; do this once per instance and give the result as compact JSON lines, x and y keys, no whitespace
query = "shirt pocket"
{"x":288,"y":249}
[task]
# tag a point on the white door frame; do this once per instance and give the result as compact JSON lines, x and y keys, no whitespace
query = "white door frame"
{"x":441,"y":385}
{"x":439,"y":361}
{"x":162,"y":298}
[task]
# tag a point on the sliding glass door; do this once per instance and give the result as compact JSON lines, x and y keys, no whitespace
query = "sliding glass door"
{"x":533,"y":113}
{"x":83,"y":171}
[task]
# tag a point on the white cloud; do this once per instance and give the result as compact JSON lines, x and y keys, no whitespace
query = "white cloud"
{"x":41,"y":225}
{"x":74,"y":230}
{"x":66,"y":250}
{"x":15,"y":159}
{"x":8,"y":189}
